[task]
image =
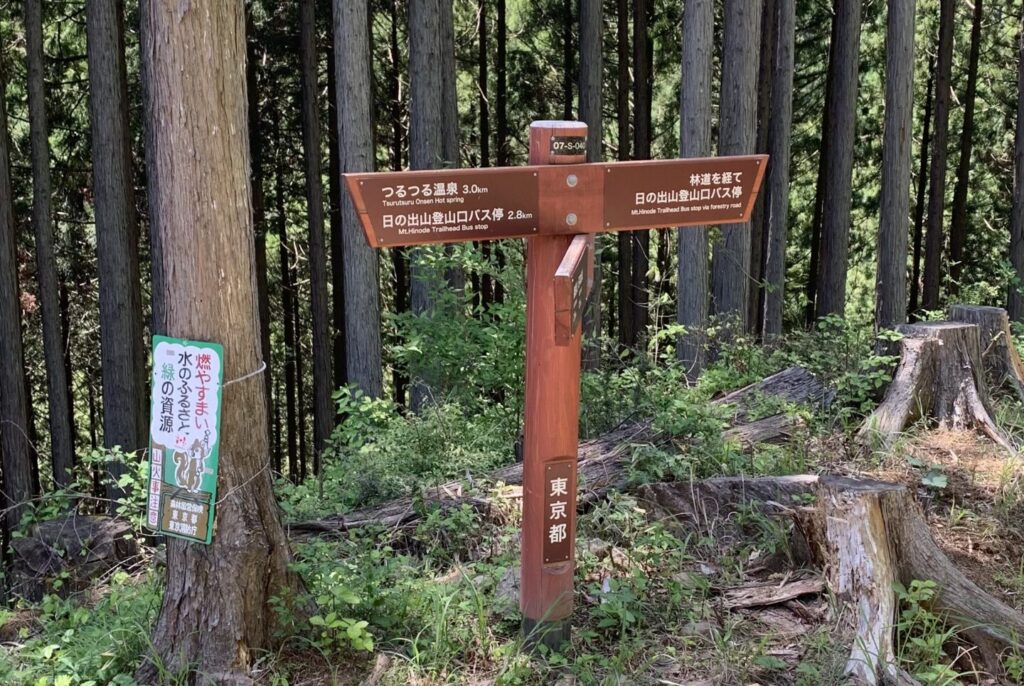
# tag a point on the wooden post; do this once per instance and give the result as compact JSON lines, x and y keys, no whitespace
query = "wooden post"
{"x":552,"y":411}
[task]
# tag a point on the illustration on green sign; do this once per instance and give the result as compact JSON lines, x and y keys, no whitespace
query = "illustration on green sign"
{"x":184,"y":437}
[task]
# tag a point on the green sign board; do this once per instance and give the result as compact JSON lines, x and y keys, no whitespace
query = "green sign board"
{"x":184,"y":425}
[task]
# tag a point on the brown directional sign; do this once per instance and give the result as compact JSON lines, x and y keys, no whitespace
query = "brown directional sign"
{"x":720,"y":190}
{"x":457,"y":205}
{"x":573,"y":282}
{"x":452,"y":206}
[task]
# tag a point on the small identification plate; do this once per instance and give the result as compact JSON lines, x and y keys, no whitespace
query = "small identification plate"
{"x":568,"y":145}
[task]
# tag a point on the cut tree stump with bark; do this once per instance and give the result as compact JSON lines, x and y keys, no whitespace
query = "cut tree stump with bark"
{"x":603,"y":462}
{"x":940,"y":375}
{"x":1003,"y":365}
{"x":867,"y":535}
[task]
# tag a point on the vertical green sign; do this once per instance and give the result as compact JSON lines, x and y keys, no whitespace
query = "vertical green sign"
{"x":184,"y":425}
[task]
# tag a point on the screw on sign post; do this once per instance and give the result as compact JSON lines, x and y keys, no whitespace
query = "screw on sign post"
{"x":557,"y":203}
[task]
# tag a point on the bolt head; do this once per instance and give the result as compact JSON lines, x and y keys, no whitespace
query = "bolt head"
{"x":571,"y":219}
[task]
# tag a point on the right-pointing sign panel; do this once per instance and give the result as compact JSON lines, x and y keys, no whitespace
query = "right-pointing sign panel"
{"x":645,"y":194}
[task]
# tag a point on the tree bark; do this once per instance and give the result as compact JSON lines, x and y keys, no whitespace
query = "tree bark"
{"x":842,"y":121}
{"x":323,"y":407}
{"x":217,"y":615}
{"x":591,"y":82}
{"x":15,"y":445}
{"x":399,"y":256}
{"x":1003,"y":366}
{"x":641,"y":151}
{"x":259,"y":214}
{"x":62,"y":441}
{"x":694,"y":141}
{"x":123,"y":358}
{"x":758,"y":224}
{"x":922,"y":189}
{"x":355,"y":137}
{"x":627,"y":330}
{"x":1016,"y":298}
{"x":940,"y":376}
{"x":287,"y":296}
{"x":567,"y":59}
{"x":824,"y":149}
{"x":501,"y":85}
{"x":300,"y":372}
{"x":894,"y":219}
{"x":937,"y":192}
{"x":339,"y":357}
{"x":730,"y":278}
{"x":427,"y":107}
{"x":776,"y":202}
{"x":501,"y":125}
{"x":958,"y":221}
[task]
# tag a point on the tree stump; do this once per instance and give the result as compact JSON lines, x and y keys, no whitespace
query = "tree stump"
{"x":941,"y":376}
{"x":866,"y":535}
{"x":1003,"y":365}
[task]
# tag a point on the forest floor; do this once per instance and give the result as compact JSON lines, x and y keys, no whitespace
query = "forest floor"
{"x":658,"y":602}
{"x":720,"y":603}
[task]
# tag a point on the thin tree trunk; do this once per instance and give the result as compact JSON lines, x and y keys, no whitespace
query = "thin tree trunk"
{"x":591,"y":83}
{"x":501,"y":126}
{"x":355,"y":138}
{"x":16,"y":447}
{"x":897,"y":150}
{"x":287,"y":296}
{"x":922,"y":189}
{"x":339,"y":364}
{"x":842,"y":122}
{"x":501,"y":85}
{"x":779,"y":139}
{"x":454,"y":275}
{"x":276,"y":460}
{"x":62,"y":442}
{"x":399,"y":256}
{"x":259,"y":214}
{"x":627,"y":330}
{"x":937,"y":191}
{"x":323,"y":407}
{"x":694,"y":141}
{"x":641,"y":151}
{"x":117,"y":241}
{"x":567,"y":59}
{"x":819,"y":192}
{"x":1017,"y":213}
{"x":217,"y":615}
{"x":758,"y":223}
{"x":958,"y":223}
{"x":426,"y":147}
{"x":730,"y":279}
{"x":300,"y":372}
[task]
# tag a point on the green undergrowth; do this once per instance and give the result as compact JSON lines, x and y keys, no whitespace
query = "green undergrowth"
{"x":438,"y":598}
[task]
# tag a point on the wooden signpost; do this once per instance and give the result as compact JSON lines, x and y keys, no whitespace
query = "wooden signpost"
{"x":557,"y":203}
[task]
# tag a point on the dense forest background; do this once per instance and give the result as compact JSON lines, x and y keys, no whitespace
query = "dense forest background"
{"x":378,"y":362}
{"x":514,"y":62}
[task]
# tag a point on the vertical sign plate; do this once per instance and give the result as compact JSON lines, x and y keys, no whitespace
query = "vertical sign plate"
{"x":559,"y":511}
{"x":184,"y":437}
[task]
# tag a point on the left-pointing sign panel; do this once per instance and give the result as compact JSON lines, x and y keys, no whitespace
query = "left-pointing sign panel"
{"x":445,"y":206}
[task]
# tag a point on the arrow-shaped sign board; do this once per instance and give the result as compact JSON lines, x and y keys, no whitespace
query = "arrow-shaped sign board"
{"x":457,"y":205}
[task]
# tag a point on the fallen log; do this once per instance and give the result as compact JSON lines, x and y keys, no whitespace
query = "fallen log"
{"x":1003,"y":365}
{"x":603,"y":461}
{"x":940,"y":375}
{"x":867,"y":535}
